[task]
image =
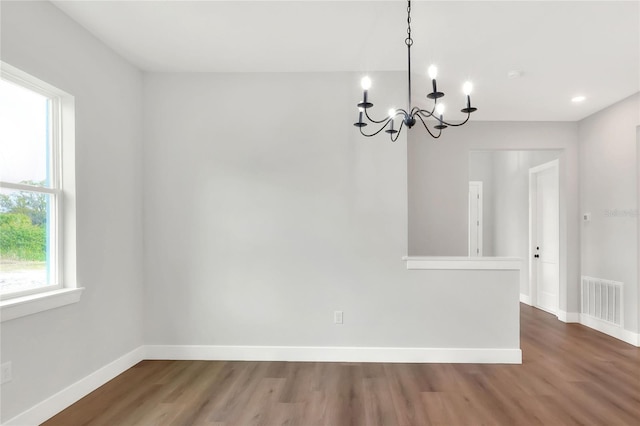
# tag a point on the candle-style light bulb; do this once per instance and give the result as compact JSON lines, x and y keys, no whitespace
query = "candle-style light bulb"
{"x":467,"y":87}
{"x":433,"y":72}
{"x":360,"y":123}
{"x":392,"y":113}
{"x":440,"y":112}
{"x":365,"y":83}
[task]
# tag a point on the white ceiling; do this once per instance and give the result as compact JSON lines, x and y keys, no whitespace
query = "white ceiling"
{"x":563,"y":48}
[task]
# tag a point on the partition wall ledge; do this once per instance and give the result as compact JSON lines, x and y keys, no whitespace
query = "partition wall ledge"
{"x":464,"y":263}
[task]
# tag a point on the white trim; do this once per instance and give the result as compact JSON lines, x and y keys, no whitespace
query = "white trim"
{"x":335,"y":354}
{"x":62,"y":263}
{"x":471,"y":263}
{"x":524,"y":298}
{"x":480,"y":219}
{"x":26,"y":305}
{"x":21,"y":78}
{"x":611,"y":330}
{"x":568,"y":317}
{"x":30,"y":188}
{"x":22,"y":293}
{"x":51,"y":406}
{"x":533,"y":270}
{"x":54,"y":190}
{"x":551,"y":164}
{"x":67,"y":202}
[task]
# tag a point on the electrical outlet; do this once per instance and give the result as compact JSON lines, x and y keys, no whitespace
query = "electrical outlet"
{"x":5,"y":373}
{"x":337,"y":317}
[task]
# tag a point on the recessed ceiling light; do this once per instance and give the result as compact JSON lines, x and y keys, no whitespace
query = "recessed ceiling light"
{"x":578,"y":99}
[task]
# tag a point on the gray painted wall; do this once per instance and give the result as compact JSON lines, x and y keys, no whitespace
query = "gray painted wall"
{"x":259,"y":227}
{"x":53,"y":349}
{"x":608,"y":190}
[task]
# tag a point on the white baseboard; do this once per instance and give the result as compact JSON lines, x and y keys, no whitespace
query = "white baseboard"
{"x":611,"y":330}
{"x":51,"y":406}
{"x":335,"y":354}
{"x":568,"y":317}
{"x":525,"y":298}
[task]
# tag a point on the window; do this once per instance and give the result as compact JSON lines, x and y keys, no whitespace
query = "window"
{"x":37,"y":216}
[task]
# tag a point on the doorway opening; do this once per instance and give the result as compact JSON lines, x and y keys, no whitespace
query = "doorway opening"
{"x":506,"y":227}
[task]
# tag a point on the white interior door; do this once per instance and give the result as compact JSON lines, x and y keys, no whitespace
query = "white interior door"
{"x":475,"y":218}
{"x":545,"y":236}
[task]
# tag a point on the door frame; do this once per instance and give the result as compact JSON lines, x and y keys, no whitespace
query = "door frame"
{"x":533,"y":191}
{"x":478,"y":184}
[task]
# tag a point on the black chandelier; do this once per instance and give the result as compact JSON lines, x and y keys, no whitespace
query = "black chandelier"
{"x":410,"y":117}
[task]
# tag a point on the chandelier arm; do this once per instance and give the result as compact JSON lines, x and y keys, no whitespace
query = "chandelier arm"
{"x":425,"y":113}
{"x":399,"y":131}
{"x":415,"y":110}
{"x":428,"y":130}
{"x":459,"y":124}
{"x":399,"y":112}
{"x":366,"y":113}
{"x":378,"y":131}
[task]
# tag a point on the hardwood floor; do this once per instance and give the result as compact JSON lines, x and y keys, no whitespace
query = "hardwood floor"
{"x":570,"y":375}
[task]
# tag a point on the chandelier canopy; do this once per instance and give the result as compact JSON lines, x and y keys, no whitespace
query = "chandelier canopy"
{"x":411,"y":115}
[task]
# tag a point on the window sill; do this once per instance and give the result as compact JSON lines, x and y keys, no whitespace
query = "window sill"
{"x":34,"y":303}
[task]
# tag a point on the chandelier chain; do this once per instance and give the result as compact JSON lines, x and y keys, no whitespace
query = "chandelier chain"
{"x":408,"y":41}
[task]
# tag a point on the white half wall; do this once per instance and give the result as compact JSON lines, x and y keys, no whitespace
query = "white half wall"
{"x":54,"y":349}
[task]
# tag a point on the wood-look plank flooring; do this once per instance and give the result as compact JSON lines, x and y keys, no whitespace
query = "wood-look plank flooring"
{"x":571,"y":375}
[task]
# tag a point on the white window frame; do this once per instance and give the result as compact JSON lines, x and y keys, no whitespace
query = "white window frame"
{"x":64,"y":289}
